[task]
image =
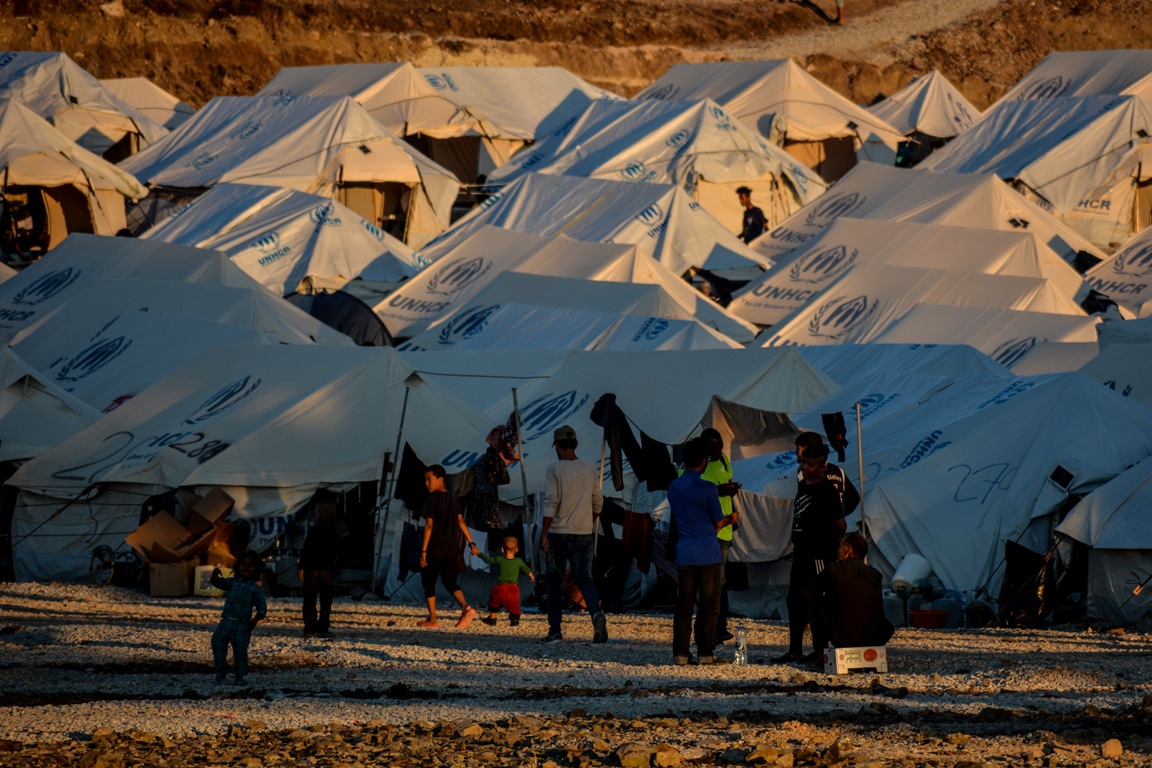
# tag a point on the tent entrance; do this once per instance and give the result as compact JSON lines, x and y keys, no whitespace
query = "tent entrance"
{"x":831,"y":158}
{"x":387,"y":205}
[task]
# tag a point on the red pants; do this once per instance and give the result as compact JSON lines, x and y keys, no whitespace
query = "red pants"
{"x":505,"y":596}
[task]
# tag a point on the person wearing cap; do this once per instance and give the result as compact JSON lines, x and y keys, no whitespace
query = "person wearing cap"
{"x":754,"y":221}
{"x":817,"y":525}
{"x":572,"y":504}
{"x":719,"y":472}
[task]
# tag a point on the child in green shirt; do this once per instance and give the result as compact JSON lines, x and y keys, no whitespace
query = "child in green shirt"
{"x":506,"y":591}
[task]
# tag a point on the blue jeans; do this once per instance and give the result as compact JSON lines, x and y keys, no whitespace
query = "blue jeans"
{"x":575,"y":550}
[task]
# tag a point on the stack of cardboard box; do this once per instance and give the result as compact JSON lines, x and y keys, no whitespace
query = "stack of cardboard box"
{"x":174,"y":549}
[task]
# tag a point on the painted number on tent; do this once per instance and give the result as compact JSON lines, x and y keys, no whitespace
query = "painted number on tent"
{"x":978,"y":484}
{"x":123,"y":447}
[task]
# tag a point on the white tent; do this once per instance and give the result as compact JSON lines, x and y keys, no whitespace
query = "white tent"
{"x":322,"y":145}
{"x":800,"y":276}
{"x":123,"y":274}
{"x":694,"y":145}
{"x":456,"y":278}
{"x":930,"y":106}
{"x":269,"y":424}
{"x":35,"y":413}
{"x":283,"y":238}
{"x":893,"y":194}
{"x":150,"y":99}
{"x":1007,"y":336}
{"x":1087,"y":73}
{"x":930,"y":112}
{"x":512,"y":325}
{"x":510,"y":107}
{"x":64,"y":186}
{"x":1087,"y":158}
{"x":818,"y":126}
{"x":777,"y":381}
{"x":1113,"y":521}
{"x":661,"y":220}
{"x":862,"y":305}
{"x":1126,"y":276}
{"x":61,"y":91}
{"x":1124,"y":367}
{"x":393,"y":93}
{"x":637,"y":299}
{"x":105,"y":352}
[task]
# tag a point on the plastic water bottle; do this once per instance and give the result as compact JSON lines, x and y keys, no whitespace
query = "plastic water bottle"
{"x":741,"y":657}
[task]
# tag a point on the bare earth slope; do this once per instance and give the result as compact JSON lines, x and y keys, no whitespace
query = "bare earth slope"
{"x":199,"y":48}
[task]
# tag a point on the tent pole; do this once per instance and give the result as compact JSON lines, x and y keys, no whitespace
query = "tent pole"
{"x":528,"y":549}
{"x":596,"y":523}
{"x":860,"y":458}
{"x":388,"y":479}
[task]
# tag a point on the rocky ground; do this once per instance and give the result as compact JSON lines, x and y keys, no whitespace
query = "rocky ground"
{"x":202,"y":48}
{"x":110,"y":677}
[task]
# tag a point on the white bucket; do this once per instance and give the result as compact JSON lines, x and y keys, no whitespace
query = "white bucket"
{"x":911,"y":570}
{"x":202,"y":583}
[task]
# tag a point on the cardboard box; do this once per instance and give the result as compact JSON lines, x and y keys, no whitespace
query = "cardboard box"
{"x":170,"y":579}
{"x":841,"y":661}
{"x":163,"y":529}
{"x":221,"y":556}
{"x":214,"y":507}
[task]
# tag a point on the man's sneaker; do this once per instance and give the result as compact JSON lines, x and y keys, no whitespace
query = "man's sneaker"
{"x":221,"y":677}
{"x":788,"y":658}
{"x":684,"y":661}
{"x":239,"y":681}
{"x":489,"y":620}
{"x":706,"y":660}
{"x":514,"y":620}
{"x":325,"y":635}
{"x":552,"y":637}
{"x":599,"y":628}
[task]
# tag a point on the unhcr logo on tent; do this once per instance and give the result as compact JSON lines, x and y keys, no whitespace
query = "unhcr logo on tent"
{"x":926,"y":447}
{"x":222,"y":400}
{"x":532,"y":160}
{"x":679,"y":142}
{"x":874,"y":403}
{"x":836,"y":318}
{"x":7,"y":59}
{"x":830,"y":208}
{"x":651,"y":215}
{"x":282,"y":98}
{"x":1136,"y":262}
{"x":825,"y":265}
{"x":44,"y":288}
{"x":373,"y":230}
{"x":723,"y":122}
{"x":1048,"y":89}
{"x":651,"y":329}
{"x":457,"y":275}
{"x":442,"y":82}
{"x":269,"y":245}
{"x":201,"y":160}
{"x":1010,"y":352}
{"x":1006,"y":394}
{"x":469,"y":323}
{"x":91,"y":359}
{"x":539,"y":417}
{"x":637,"y":172}
{"x":246,"y":131}
{"x":324,"y":216}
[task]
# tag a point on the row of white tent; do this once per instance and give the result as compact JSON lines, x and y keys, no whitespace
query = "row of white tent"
{"x":549,"y":265}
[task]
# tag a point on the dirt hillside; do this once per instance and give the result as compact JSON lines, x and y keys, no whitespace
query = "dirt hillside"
{"x":202,"y":48}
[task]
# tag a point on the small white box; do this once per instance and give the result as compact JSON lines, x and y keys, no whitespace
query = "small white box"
{"x":202,"y":586}
{"x":841,"y":661}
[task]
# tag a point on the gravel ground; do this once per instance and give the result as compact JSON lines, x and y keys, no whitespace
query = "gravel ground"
{"x":85,"y":666}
